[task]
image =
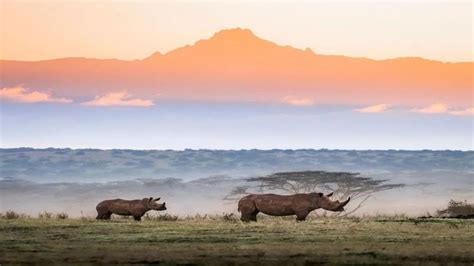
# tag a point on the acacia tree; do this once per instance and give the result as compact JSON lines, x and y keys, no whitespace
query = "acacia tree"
{"x":343,"y":184}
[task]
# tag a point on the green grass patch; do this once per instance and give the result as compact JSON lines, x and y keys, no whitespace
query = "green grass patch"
{"x":214,"y":240}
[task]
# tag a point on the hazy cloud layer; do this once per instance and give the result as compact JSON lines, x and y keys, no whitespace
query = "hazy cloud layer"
{"x":439,"y":108}
{"x":467,"y":111}
{"x":436,"y":108}
{"x":121,"y":98}
{"x":379,"y":108}
{"x":20,"y":94}
{"x":298,"y":101}
{"x":25,"y":95}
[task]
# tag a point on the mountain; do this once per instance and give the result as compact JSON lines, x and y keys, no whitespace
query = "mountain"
{"x":236,"y":65}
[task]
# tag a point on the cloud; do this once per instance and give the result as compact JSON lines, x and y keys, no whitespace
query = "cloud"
{"x":437,"y":108}
{"x":291,"y":100}
{"x":24,"y":95}
{"x":379,"y":108}
{"x":467,"y":111}
{"x":121,"y":98}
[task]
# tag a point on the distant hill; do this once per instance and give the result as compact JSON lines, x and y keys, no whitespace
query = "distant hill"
{"x":236,"y":65}
{"x":91,"y":165}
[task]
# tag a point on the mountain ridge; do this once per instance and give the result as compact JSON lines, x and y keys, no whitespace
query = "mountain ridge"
{"x":219,"y":34}
{"x":235,"y":64}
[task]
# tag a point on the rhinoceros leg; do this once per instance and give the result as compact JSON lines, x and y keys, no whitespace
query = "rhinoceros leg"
{"x":106,"y":216}
{"x":246,"y":217}
{"x":137,"y":218}
{"x":248,"y":209}
{"x":249,"y":216}
{"x":103,"y":215}
{"x":101,"y":211}
{"x":301,"y":216}
{"x":253,"y":216}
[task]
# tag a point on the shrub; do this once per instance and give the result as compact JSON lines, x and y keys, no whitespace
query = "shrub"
{"x":45,"y":215}
{"x":229,"y":217}
{"x":11,"y":215}
{"x":62,"y":216}
{"x":457,"y":208}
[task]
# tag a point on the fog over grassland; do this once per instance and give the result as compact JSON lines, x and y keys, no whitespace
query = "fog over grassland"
{"x":197,"y":181}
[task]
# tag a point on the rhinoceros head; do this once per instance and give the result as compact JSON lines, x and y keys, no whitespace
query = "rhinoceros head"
{"x":153,"y":204}
{"x":325,"y":202}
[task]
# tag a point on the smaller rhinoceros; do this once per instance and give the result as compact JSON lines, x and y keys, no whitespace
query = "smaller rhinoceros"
{"x":135,"y":208}
{"x":283,"y":205}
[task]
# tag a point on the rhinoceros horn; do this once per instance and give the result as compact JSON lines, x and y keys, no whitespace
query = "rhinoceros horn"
{"x":341,"y":206}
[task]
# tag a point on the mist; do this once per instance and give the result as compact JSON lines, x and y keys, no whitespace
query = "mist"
{"x":200,"y":181}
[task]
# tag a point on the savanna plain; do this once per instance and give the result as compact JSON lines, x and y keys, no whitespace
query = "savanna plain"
{"x":224,"y":239}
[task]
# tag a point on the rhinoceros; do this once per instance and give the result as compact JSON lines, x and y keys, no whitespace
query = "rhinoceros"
{"x":135,"y":208}
{"x":284,"y":205}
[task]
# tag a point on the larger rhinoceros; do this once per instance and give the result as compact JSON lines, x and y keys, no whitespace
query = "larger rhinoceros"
{"x":283,"y":205}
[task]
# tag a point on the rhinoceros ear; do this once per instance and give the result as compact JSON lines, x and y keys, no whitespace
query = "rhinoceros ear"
{"x":150,"y":199}
{"x":330,"y":194}
{"x":157,"y":199}
{"x":320,"y":194}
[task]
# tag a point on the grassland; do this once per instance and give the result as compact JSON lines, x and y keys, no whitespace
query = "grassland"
{"x":225,"y":240}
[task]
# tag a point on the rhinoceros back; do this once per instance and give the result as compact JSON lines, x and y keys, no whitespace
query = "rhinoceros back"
{"x":117,"y":206}
{"x":278,"y":205}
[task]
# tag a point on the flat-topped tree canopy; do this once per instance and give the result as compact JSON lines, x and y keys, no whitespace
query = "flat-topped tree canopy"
{"x":342,"y":184}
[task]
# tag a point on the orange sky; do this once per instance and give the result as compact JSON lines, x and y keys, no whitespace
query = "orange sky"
{"x":287,"y":75}
{"x":34,"y":30}
{"x":237,"y":66}
{"x":284,"y":56}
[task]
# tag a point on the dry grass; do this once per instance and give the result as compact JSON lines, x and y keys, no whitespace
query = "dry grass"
{"x":222,"y":239}
{"x":224,"y":217}
{"x":161,"y":217}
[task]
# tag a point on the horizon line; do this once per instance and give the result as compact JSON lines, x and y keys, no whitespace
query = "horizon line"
{"x":157,"y":52}
{"x":253,"y":149}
